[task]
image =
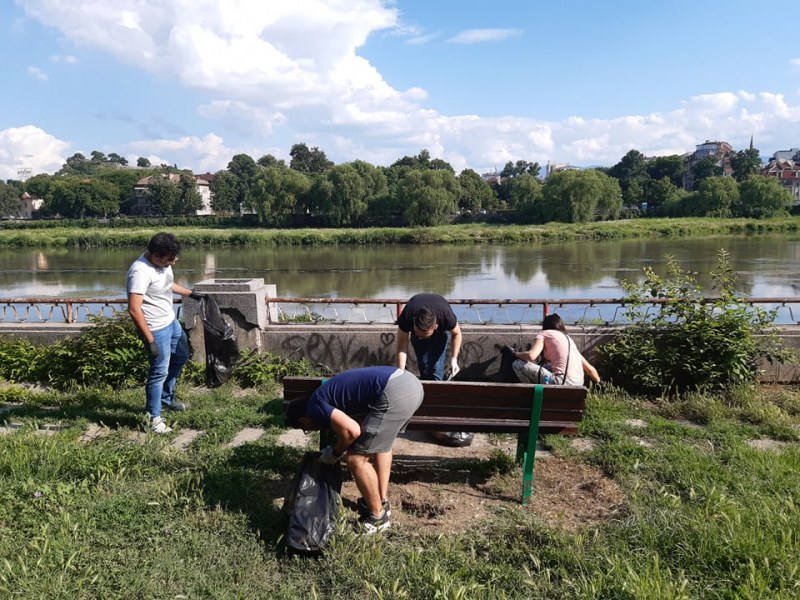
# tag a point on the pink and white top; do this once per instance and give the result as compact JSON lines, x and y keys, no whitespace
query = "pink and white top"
{"x":557,"y":347}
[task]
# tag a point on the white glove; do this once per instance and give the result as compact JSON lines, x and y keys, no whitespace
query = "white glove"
{"x":328,"y":456}
{"x":454,"y":368}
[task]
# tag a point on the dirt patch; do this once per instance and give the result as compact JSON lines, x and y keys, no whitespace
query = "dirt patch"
{"x":434,"y":490}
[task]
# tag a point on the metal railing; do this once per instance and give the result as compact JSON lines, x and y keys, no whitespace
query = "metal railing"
{"x":586,"y":311}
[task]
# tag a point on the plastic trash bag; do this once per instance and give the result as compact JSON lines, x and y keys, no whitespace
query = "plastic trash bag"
{"x":506,"y":373}
{"x":222,"y":350}
{"x":312,"y":505}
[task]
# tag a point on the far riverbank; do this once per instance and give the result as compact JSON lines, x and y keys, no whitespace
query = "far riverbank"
{"x":198,"y":236}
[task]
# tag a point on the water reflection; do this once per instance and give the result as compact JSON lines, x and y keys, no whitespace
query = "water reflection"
{"x":766,"y":266}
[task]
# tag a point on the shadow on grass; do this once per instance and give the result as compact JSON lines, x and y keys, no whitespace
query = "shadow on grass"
{"x":253,"y":482}
{"x":111,"y":414}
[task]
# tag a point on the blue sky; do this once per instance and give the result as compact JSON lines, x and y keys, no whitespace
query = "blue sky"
{"x":476,"y":83}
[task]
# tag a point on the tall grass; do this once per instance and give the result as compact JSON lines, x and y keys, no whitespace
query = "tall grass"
{"x":707,"y":515}
{"x":450,"y":234}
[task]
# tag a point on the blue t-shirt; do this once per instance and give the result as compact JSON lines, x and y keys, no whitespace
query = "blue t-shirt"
{"x":352,"y":392}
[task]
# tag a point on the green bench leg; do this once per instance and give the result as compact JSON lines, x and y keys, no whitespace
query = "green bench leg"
{"x":529,"y":451}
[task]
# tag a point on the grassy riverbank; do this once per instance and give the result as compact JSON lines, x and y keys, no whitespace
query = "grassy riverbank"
{"x":450,"y":234}
{"x":710,"y":507}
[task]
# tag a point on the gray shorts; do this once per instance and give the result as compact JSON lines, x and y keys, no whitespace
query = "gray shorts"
{"x":389,"y":415}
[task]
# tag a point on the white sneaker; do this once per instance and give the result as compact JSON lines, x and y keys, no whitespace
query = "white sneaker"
{"x":159,"y":425}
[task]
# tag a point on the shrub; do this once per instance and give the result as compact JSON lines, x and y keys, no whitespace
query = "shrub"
{"x":108,"y":354}
{"x":254,"y":368}
{"x":691,"y":343}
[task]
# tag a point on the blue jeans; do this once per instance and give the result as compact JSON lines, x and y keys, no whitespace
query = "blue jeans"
{"x":430,"y":354}
{"x":173,"y":353}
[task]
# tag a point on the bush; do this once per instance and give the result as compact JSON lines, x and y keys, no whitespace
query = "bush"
{"x":254,"y":368}
{"x":691,"y":343}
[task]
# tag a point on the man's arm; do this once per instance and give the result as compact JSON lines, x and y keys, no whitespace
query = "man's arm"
{"x":180,"y":290}
{"x":455,"y":341}
{"x":402,"y":348}
{"x":135,"y":311}
{"x":346,"y":429}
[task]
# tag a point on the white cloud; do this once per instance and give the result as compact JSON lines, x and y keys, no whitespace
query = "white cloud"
{"x":30,"y":147}
{"x":474,"y":36}
{"x":292,"y":68}
{"x":64,"y":58}
{"x":37,"y":73}
{"x":795,"y":62}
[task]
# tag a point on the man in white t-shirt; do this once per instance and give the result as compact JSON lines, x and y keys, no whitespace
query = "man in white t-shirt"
{"x":150,"y":286}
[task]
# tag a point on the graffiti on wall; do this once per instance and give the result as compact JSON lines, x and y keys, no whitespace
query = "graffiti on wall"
{"x":338,"y":352}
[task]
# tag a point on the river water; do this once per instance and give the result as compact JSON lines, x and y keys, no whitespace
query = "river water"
{"x":766,"y":265}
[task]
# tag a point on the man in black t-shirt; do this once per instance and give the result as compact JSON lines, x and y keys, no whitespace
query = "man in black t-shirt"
{"x":429,"y":323}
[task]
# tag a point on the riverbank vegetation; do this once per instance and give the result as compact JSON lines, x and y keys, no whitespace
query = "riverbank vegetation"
{"x":312,"y":191}
{"x":44,"y":234}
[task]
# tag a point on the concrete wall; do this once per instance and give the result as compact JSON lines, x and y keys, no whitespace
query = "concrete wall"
{"x":341,"y":347}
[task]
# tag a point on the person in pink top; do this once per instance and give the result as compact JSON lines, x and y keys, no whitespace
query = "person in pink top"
{"x":563,"y":363}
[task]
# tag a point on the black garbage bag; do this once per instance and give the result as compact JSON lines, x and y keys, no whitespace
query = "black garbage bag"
{"x":222,"y":350}
{"x":312,"y":505}
{"x":506,"y":373}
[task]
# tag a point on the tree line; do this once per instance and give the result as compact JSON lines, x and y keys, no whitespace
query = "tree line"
{"x":415,"y":190}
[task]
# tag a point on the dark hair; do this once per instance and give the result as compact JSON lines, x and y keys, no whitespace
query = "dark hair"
{"x":294,"y":410}
{"x":554,"y":321}
{"x":164,"y":244}
{"x":424,"y":318}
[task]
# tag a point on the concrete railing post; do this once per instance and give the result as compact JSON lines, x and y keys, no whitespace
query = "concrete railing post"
{"x":242,"y":303}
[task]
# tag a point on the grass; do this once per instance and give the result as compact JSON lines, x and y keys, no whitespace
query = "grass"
{"x":707,"y":514}
{"x":74,"y":236}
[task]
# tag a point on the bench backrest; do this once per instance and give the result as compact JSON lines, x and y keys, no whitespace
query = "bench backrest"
{"x":480,"y":406}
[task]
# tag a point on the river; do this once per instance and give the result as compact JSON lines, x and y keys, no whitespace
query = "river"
{"x":766,"y":266}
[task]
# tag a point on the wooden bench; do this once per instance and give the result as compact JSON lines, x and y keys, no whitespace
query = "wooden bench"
{"x":524,"y":409}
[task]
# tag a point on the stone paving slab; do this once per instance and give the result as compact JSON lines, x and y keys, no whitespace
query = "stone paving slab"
{"x":248,"y":434}
{"x":185,"y":438}
{"x":94,"y":432}
{"x":10,"y":428}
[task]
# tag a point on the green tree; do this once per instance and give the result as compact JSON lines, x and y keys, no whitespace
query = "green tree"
{"x":142,"y":162}
{"x":244,"y":169}
{"x":631,"y":171}
{"x":76,"y":198}
{"x":716,"y":197}
{"x":526,"y":198}
{"x":39,"y":185}
{"x":76,"y":165}
{"x":341,"y":196}
{"x":124,"y":180}
{"x":116,"y":159}
{"x":672,"y":166}
{"x":224,"y":192}
{"x":427,"y":197}
{"x":580,"y":196}
{"x":275,"y":192}
{"x":10,"y":202}
{"x":475,"y":193}
{"x":762,"y":198}
{"x":270,"y":161}
{"x":164,"y":195}
{"x":745,"y":163}
{"x":521,"y":188}
{"x":98,"y":157}
{"x":705,"y":168}
{"x":189,"y":198}
{"x":663,"y":193}
{"x":309,"y":160}
{"x":515,"y":169}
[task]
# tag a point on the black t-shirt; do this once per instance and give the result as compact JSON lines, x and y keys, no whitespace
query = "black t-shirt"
{"x":445,"y":317}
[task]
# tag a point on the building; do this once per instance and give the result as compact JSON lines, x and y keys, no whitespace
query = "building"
{"x":29,"y":206}
{"x":141,"y":196}
{"x":554,"y":167}
{"x":722,"y":151}
{"x":787,"y":171}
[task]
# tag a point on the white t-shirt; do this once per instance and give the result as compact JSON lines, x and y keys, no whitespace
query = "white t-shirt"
{"x":562,"y":353}
{"x":155,"y":286}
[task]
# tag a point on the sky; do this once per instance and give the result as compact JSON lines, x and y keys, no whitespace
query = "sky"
{"x":476,"y":83}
